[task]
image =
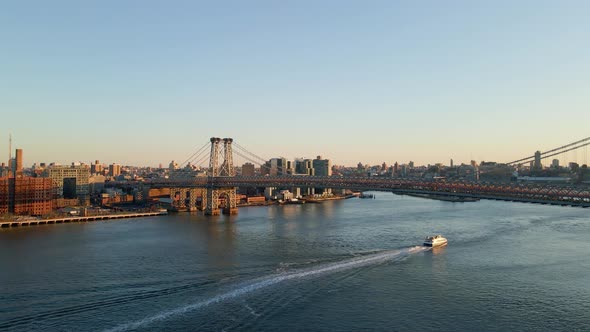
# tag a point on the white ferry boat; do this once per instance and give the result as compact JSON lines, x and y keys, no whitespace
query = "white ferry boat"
{"x":435,"y":241}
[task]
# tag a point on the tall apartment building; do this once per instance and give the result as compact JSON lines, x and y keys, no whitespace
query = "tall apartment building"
{"x":537,"y":163}
{"x":322,"y":167}
{"x":114,"y":169}
{"x":70,"y":181}
{"x":277,"y":166}
{"x":304,"y":166}
{"x":96,"y":168}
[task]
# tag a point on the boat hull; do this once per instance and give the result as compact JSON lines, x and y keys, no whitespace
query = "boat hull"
{"x":435,"y":244}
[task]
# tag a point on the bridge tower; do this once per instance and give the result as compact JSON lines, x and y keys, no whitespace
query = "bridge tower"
{"x":217,"y":168}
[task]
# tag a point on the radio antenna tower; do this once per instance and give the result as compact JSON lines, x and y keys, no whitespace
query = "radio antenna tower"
{"x":9,"y":147}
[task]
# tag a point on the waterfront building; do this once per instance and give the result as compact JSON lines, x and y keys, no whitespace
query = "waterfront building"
{"x":269,"y":193}
{"x":32,"y":196}
{"x":322,"y":167}
{"x":555,"y":163}
{"x":4,"y":194}
{"x":70,"y":181}
{"x":24,"y":195}
{"x":278,"y":166}
{"x":304,"y":166}
{"x":286,"y":195}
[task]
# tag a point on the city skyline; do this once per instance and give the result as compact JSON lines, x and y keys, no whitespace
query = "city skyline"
{"x":385,"y":81}
{"x":577,"y":156}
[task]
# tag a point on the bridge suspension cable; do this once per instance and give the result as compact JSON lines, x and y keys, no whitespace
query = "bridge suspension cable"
{"x":203,"y":159}
{"x":249,"y":159}
{"x":196,"y":155}
{"x":564,"y":151}
{"x":253,"y":158}
{"x":261,"y":160}
{"x":556,"y":151}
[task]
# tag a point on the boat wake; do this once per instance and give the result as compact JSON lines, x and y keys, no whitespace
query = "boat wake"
{"x":260,"y":283}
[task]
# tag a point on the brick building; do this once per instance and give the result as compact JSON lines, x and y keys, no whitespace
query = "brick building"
{"x":4,"y":195}
{"x":32,"y":196}
{"x":27,"y":196}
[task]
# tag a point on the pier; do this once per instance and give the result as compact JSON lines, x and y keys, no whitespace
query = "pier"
{"x":33,"y":222}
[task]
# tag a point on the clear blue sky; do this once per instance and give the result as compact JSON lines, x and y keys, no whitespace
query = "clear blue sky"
{"x":144,"y":82}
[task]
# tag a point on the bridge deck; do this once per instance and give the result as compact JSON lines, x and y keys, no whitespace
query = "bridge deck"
{"x":574,"y":195}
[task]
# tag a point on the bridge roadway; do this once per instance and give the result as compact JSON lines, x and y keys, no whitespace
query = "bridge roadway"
{"x":519,"y":192}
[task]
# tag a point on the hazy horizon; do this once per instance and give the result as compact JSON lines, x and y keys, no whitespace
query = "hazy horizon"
{"x":384,"y":81}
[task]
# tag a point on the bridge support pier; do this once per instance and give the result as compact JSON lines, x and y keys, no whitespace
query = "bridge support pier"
{"x":185,"y":199}
{"x":215,"y":195}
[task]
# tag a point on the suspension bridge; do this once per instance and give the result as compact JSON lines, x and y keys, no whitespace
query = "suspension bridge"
{"x":215,"y":191}
{"x":538,"y":156}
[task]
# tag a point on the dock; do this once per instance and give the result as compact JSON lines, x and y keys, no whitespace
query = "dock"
{"x":34,"y":222}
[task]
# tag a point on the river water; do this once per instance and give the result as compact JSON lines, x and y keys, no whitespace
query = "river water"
{"x":337,"y":266}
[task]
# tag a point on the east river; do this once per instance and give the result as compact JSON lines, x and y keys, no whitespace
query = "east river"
{"x":345,"y":265}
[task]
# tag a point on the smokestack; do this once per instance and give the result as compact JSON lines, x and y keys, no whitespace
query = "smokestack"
{"x":19,"y":161}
